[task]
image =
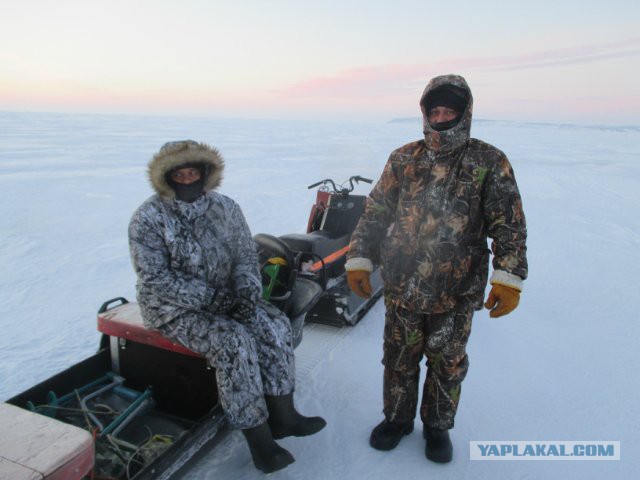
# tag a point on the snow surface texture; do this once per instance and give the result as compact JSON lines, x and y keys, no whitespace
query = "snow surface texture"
{"x":563,"y":366}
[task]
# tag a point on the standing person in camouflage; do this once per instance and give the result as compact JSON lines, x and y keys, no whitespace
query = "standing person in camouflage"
{"x":426,"y":222}
{"x":199,"y":284}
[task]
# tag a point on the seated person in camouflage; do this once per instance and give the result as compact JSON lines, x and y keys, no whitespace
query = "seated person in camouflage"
{"x":199,"y":284}
{"x":427,"y":221}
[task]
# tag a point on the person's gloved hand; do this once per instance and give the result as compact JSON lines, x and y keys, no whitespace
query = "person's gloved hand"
{"x":359,"y":283}
{"x":243,"y":310}
{"x":222,"y":302}
{"x":502,"y":300}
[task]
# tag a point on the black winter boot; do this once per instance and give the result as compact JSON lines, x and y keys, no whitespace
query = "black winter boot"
{"x":387,"y":435}
{"x":267,"y":455}
{"x":285,"y":421}
{"x":438,"y":448}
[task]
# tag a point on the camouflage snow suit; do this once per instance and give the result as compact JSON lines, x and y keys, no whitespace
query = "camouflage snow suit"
{"x":192,"y":261}
{"x":427,"y":221}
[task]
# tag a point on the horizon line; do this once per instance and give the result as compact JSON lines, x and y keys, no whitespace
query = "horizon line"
{"x":401,"y":119}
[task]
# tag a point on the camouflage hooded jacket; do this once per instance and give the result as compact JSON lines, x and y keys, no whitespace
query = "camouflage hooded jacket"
{"x":185,"y":254}
{"x":428,"y":218}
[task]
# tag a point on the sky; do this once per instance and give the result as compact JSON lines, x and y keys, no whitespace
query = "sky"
{"x":543,"y":61}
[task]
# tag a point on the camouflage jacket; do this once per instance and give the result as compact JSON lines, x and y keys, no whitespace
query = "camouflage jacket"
{"x":185,"y":254}
{"x":428,"y":218}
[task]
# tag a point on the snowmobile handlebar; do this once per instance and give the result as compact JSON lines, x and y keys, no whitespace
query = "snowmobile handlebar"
{"x":342,"y":190}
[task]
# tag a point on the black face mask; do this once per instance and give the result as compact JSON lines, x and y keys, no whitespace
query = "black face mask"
{"x":188,"y":193}
{"x":442,"y":126}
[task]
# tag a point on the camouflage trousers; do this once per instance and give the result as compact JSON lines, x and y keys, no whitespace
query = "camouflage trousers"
{"x":442,"y":338}
{"x":251,"y":359}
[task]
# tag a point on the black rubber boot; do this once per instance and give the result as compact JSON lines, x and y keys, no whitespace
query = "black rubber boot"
{"x":387,"y":435}
{"x":267,"y":455}
{"x":439,"y":448}
{"x":285,"y":421}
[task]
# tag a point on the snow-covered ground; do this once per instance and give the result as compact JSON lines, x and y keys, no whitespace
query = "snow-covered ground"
{"x":561,"y":367}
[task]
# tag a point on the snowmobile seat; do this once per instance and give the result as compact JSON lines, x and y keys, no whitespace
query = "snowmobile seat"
{"x":124,"y":322}
{"x":34,"y":446}
{"x":321,"y":243}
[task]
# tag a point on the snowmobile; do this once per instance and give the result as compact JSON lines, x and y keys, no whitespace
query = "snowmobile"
{"x":303,"y":273}
{"x":142,"y":406}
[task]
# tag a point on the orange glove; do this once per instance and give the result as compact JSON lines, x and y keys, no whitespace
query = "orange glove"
{"x":502,"y":300}
{"x":359,"y":282}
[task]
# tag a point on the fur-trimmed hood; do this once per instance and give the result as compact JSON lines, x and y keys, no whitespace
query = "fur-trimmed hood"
{"x":175,"y":154}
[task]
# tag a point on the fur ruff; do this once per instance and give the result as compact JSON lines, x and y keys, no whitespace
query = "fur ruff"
{"x":500,"y":277}
{"x":174,"y":154}
{"x":358,"y":263}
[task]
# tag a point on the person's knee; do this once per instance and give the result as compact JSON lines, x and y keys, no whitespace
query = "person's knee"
{"x":271,"y":328}
{"x":233,"y":343}
{"x":398,"y":361}
{"x":452,"y":367}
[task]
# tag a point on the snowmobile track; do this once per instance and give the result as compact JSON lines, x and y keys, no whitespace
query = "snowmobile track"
{"x":317,"y":342}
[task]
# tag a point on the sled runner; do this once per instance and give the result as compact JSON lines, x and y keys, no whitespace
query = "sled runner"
{"x":143,"y":405}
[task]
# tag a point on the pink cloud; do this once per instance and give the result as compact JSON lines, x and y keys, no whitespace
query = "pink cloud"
{"x":390,"y":80}
{"x":569,"y":56}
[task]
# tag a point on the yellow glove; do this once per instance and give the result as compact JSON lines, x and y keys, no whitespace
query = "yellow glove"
{"x":359,"y":282}
{"x":502,"y":300}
